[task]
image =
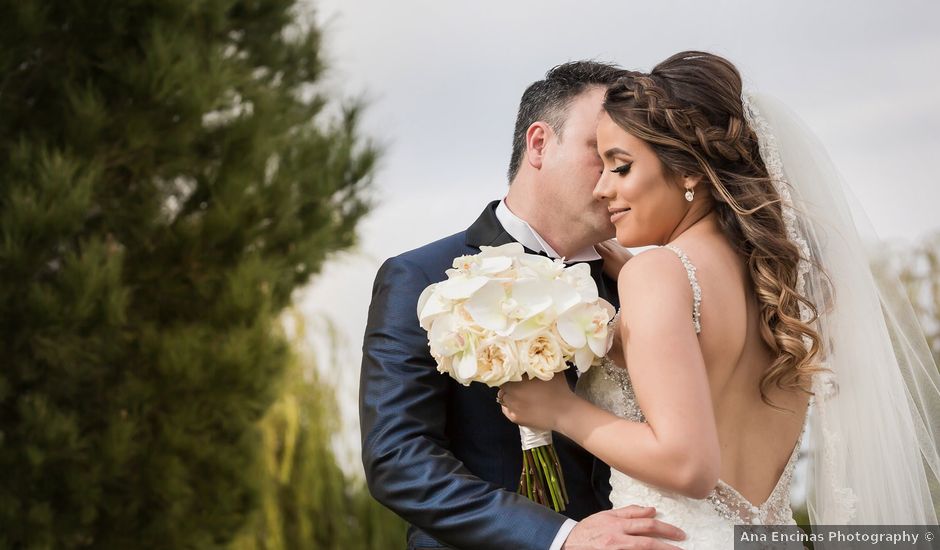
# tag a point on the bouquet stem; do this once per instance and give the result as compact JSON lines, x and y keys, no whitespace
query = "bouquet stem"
{"x":542,"y":480}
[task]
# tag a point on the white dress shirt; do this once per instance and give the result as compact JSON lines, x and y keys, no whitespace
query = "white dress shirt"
{"x":520,"y":230}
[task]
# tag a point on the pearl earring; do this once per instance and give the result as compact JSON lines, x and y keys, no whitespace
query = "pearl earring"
{"x":689,"y":194}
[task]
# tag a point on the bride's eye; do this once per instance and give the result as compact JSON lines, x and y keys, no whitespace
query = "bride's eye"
{"x":622,"y":169}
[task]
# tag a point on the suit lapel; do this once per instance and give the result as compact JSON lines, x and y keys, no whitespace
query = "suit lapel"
{"x":606,"y":288}
{"x":487,"y":231}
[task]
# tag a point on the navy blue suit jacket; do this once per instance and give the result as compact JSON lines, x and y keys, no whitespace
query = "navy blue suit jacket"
{"x":442,"y":455}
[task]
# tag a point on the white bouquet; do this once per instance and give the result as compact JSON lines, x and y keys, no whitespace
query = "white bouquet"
{"x":502,"y":314}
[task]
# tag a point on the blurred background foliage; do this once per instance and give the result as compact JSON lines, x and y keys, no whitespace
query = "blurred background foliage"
{"x":918,"y":267}
{"x":307,"y":499}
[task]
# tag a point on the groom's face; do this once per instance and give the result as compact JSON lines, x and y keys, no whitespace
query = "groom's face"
{"x":573,"y":166}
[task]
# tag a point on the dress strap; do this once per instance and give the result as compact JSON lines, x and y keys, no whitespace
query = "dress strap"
{"x":696,"y":289}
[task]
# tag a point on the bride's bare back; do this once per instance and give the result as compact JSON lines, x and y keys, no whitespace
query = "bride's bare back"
{"x":756,"y":440}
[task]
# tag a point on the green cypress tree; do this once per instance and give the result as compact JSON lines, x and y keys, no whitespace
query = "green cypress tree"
{"x":167,"y":178}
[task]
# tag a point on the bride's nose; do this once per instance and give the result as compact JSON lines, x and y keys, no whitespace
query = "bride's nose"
{"x":603,"y":190}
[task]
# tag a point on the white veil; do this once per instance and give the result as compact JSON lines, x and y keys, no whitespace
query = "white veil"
{"x":874,"y":424}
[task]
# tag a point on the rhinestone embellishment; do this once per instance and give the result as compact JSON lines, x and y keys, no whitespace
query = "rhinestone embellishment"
{"x":696,"y":289}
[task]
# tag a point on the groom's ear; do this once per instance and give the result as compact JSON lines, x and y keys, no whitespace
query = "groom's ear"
{"x":536,"y":138}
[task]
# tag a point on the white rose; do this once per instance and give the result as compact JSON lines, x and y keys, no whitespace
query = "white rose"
{"x":445,"y":365}
{"x":541,"y":356}
{"x":497,"y":362}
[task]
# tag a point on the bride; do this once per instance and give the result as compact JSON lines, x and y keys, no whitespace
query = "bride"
{"x":756,"y":322}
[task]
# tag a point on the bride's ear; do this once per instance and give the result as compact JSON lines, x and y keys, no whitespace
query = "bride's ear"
{"x":690,"y":181}
{"x":536,"y":138}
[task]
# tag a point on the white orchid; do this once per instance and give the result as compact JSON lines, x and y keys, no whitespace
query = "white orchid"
{"x":559,"y":297}
{"x":454,"y":345}
{"x":501,"y":307}
{"x":431,"y":305}
{"x":584,"y":327}
{"x":539,"y":267}
{"x":578,"y":276}
{"x":461,"y":288}
{"x":440,"y":298}
{"x":481,"y":266}
{"x":512,"y":250}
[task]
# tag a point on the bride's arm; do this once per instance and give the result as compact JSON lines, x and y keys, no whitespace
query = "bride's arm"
{"x":677,"y":448}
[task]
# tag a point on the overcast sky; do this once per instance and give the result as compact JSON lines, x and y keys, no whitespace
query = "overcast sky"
{"x":443,"y":81}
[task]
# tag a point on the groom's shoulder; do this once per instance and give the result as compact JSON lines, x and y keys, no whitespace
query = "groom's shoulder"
{"x":441,"y":250}
{"x":435,"y":257}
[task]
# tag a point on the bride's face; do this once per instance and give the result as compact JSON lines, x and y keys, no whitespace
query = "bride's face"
{"x":645,"y":205}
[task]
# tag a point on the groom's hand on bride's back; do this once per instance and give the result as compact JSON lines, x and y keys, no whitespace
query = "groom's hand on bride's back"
{"x":622,"y":529}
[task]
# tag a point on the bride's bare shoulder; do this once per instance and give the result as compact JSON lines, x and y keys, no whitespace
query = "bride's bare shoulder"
{"x":655,"y":278}
{"x":652,"y":262}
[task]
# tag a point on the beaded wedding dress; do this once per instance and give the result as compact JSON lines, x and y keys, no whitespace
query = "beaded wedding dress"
{"x":709,"y":522}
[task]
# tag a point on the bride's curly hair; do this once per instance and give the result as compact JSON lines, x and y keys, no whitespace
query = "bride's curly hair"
{"x":689,"y":110}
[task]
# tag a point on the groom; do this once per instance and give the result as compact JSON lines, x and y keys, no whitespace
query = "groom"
{"x":441,"y":455}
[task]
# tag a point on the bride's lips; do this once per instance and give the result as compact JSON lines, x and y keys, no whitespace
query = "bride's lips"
{"x":617,"y":213}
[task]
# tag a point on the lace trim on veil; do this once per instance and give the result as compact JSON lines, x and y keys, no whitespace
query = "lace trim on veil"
{"x":824,"y":385}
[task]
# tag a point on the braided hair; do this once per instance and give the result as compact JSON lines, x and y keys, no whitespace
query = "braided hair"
{"x":689,"y":110}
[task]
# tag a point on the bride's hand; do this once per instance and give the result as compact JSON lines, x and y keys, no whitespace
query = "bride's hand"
{"x":614,"y":255}
{"x":536,"y":403}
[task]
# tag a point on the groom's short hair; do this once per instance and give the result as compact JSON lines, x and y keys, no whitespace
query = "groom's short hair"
{"x":548,"y":99}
